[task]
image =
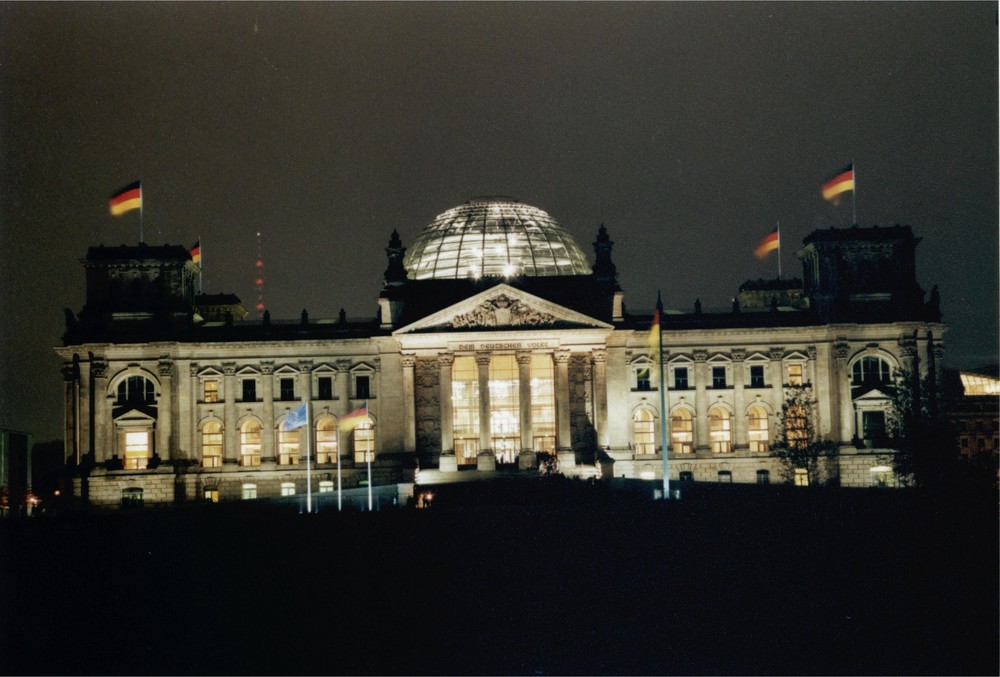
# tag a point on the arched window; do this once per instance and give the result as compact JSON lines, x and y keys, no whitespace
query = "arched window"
{"x":135,"y":390}
{"x":763,"y":477}
{"x":211,"y":444}
{"x":757,"y":430}
{"x":250,"y":443}
{"x":644,"y":432}
{"x":871,"y":370}
{"x":721,"y":431}
{"x":682,"y":432}
{"x":288,"y":446}
{"x":326,"y":441}
{"x":364,"y":441}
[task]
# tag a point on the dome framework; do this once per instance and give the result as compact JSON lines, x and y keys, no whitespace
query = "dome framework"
{"x":494,"y":236}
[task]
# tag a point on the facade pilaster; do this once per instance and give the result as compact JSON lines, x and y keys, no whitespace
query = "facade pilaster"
{"x":739,"y":398}
{"x":70,"y":445}
{"x":231,"y":444}
{"x":100,"y":412}
{"x":305,"y":390}
{"x":564,"y":441}
{"x":600,"y":358}
{"x":194,"y":412}
{"x":447,"y":462}
{"x":701,"y":437}
{"x":267,"y":425}
{"x":842,"y":388}
{"x":526,"y":458}
{"x":408,"y":362}
{"x":165,"y":411}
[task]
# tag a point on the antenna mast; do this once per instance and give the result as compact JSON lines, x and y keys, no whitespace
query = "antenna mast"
{"x":259,"y":281}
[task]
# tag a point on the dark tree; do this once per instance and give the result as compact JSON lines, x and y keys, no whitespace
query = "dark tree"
{"x":927,"y":451}
{"x":797,"y":444}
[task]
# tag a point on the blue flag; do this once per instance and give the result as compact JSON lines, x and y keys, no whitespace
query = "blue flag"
{"x":296,"y":418}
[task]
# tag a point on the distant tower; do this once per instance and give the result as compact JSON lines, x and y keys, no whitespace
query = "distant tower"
{"x":259,"y":281}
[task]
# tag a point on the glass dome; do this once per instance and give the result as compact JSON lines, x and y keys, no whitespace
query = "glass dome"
{"x":494,"y":236}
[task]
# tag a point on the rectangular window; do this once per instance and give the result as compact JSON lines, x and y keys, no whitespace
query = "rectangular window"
{"x":212,"y":495}
{"x":873,"y":424}
{"x":287,"y":389}
{"x":726,"y":476}
{"x":288,"y":488}
{"x":136,"y":450}
{"x":642,"y":379}
{"x":362,"y":387}
{"x":324,"y":386}
{"x":801,"y":477}
{"x":795,"y":374}
{"x":680,"y":378}
{"x":211,"y":391}
{"x":249,"y":491}
{"x":326,"y":487}
{"x":718,"y":377}
{"x":763,"y":477}
{"x":757,"y":376}
{"x":249,"y":390}
{"x":686,"y":476}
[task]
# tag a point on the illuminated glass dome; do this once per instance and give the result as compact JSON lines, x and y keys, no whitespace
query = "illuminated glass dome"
{"x":494,"y":236}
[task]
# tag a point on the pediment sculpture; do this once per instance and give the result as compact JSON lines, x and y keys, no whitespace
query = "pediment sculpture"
{"x":502,"y":311}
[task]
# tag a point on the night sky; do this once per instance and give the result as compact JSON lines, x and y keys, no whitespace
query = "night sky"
{"x":690,"y":130}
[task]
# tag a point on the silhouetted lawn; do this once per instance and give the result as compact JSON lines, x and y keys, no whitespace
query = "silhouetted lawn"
{"x":515,"y":578}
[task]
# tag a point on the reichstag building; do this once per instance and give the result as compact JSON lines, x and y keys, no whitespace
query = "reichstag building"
{"x":498,"y":346}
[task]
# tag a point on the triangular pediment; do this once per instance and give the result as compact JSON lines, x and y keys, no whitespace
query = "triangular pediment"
{"x":873,"y":394}
{"x":503,"y":307}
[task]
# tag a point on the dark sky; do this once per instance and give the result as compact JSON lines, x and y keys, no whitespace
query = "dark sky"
{"x":690,"y":130}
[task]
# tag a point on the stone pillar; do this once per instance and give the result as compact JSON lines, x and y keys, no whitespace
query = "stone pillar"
{"x":525,"y":459}
{"x":409,"y":404}
{"x":86,"y":397}
{"x":486,"y":459}
{"x":564,"y":441}
{"x":230,"y":451}
{"x":164,"y":411}
{"x":448,"y":462}
{"x":702,"y":440}
{"x":306,"y":441}
{"x":100,"y":421}
{"x":267,"y":425}
{"x":344,"y":406}
{"x":739,"y":399}
{"x":195,"y":414}
{"x":70,"y":444}
{"x":844,"y":407}
{"x":600,"y":357}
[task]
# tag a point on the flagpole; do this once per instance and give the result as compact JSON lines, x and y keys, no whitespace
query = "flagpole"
{"x":368,"y":457}
{"x":309,"y":496}
{"x":854,"y":193}
{"x":663,"y":397}
{"x":142,"y":200}
{"x":779,"y":248}
{"x":201,"y":265}
{"x":339,"y":447}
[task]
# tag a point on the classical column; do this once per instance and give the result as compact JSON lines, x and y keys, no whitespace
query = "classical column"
{"x":230,"y":449}
{"x":844,"y":406}
{"x":86,"y":397}
{"x":194,"y":396}
{"x":564,"y":441}
{"x":100,"y":411}
{"x":702,"y":440}
{"x":267,"y":425}
{"x":525,"y":459}
{"x":600,"y":357}
{"x":70,"y":444}
{"x":739,"y":399}
{"x":409,"y":404}
{"x":448,"y":462}
{"x":486,"y":460}
{"x":305,"y":388}
{"x":165,"y":410}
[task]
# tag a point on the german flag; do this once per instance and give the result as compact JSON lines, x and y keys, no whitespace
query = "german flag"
{"x":195,"y":252}
{"x":126,"y":199}
{"x":767,"y":245}
{"x":841,"y":182}
{"x":354,"y":419}
{"x":653,"y":340}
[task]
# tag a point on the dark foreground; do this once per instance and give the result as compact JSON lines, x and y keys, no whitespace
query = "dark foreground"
{"x":572,"y":580}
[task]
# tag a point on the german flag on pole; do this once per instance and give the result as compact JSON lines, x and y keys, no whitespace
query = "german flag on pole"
{"x":653,"y":340}
{"x":770,"y":242}
{"x":841,"y":182}
{"x":354,"y":419}
{"x":195,"y":252}
{"x":126,"y":199}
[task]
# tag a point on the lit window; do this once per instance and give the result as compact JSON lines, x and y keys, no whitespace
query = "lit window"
{"x":465,"y":408}
{"x":680,"y":378}
{"x":211,"y":444}
{"x":718,"y":377}
{"x":870,"y":370}
{"x":326,"y":487}
{"x":211,"y":390}
{"x":801,"y":477}
{"x":288,"y":447}
{"x":249,"y":390}
{"x":682,"y":432}
{"x":326,"y":441}
{"x":881,"y":476}
{"x":763,"y":477}
{"x":288,"y":488}
{"x":795,"y":375}
{"x":250,"y":443}
{"x":720,"y":431}
{"x":136,"y":450}
{"x":211,"y":495}
{"x":249,"y":491}
{"x":543,"y":404}
{"x":132,"y":497}
{"x":757,"y":376}
{"x":796,"y":427}
{"x":642,"y":379}
{"x":505,"y":414}
{"x":364,"y":441}
{"x":645,"y":437}
{"x":757,"y":431}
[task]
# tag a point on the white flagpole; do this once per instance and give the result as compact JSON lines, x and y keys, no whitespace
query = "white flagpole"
{"x":368,"y":457}
{"x":309,"y":496}
{"x":339,"y":458}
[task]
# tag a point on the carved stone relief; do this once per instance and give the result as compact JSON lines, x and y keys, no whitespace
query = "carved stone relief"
{"x":502,"y":311}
